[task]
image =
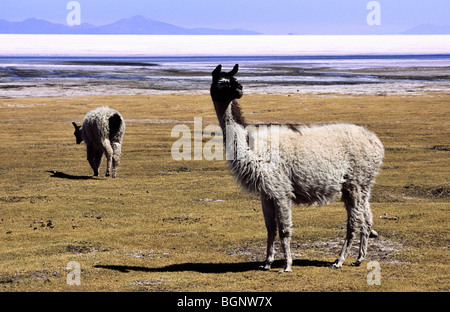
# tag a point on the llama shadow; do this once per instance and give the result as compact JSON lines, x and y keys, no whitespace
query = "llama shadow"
{"x":213,"y":267}
{"x":62,"y":175}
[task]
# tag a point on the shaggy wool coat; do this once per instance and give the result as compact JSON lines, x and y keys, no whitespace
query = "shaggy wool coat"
{"x":302,"y":165}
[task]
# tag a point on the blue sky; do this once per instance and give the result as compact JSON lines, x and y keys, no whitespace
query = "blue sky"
{"x":269,"y":17}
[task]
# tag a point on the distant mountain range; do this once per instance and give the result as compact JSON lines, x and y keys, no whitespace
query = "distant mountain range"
{"x":428,"y":29}
{"x":136,"y":25}
{"x":140,"y":25}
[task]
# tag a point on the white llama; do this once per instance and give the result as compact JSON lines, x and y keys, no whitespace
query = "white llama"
{"x":102,"y":131}
{"x":315,"y":164}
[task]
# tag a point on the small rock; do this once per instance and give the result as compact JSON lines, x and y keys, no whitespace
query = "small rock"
{"x":210,"y":200}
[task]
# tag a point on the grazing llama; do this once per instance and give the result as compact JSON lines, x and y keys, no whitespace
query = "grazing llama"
{"x":102,"y":131}
{"x":313,"y":166}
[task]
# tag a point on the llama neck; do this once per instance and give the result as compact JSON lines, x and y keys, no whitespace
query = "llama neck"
{"x":235,"y":134}
{"x":231,"y":116}
{"x":242,"y":160}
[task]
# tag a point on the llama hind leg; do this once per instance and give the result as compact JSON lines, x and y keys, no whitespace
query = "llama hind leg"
{"x":347,"y":242}
{"x":366,"y":232}
{"x":284,"y":221}
{"x":115,"y":157}
{"x":268,"y":208}
{"x":109,"y":155}
{"x":350,"y":199}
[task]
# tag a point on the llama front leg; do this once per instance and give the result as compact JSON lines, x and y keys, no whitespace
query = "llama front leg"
{"x":108,"y":153}
{"x":117,"y":149}
{"x":284,"y":221}
{"x":268,"y":208}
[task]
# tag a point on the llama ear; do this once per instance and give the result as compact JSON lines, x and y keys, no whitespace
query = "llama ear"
{"x":234,"y":70}
{"x":216,"y":72}
{"x":75,"y":125}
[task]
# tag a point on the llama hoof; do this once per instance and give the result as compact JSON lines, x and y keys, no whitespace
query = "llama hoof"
{"x":285,"y":271}
{"x":373,"y":234}
{"x":107,"y":174}
{"x":95,"y":174}
{"x":264,"y":267}
{"x":356,"y":264}
{"x":335,"y":266}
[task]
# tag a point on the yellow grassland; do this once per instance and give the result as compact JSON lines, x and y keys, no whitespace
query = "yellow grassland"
{"x":167,"y":225}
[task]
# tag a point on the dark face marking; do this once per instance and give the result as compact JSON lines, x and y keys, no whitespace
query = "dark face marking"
{"x":77,"y":133}
{"x":225,"y":87}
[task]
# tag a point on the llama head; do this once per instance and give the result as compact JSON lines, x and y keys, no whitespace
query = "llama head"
{"x":77,"y":132}
{"x":224,"y":86}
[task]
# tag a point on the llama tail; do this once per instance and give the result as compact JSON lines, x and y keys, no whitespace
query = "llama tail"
{"x":115,"y":122}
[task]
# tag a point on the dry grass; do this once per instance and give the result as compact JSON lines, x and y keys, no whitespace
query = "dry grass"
{"x":166,"y":225}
